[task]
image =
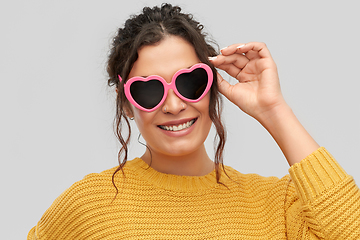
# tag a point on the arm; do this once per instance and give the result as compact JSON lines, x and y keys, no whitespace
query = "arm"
{"x":327,"y":201}
{"x":258,"y":94}
{"x":294,"y":141}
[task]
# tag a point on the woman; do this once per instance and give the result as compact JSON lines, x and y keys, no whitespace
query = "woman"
{"x":166,"y":81}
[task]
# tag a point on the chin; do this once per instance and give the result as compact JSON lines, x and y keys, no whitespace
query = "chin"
{"x":183,"y":149}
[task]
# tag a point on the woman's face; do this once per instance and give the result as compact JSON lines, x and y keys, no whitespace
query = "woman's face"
{"x":165,"y":59}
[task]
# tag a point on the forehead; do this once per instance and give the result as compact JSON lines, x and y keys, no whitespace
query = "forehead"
{"x":164,"y":58}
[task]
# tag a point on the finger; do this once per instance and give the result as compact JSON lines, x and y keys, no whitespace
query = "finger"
{"x":251,"y":50}
{"x":231,"y":70}
{"x":237,"y":60}
{"x":223,"y":86}
{"x":254,"y":50}
{"x":229,"y":50}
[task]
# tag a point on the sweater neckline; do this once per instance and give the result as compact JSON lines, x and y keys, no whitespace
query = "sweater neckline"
{"x":171,"y":182}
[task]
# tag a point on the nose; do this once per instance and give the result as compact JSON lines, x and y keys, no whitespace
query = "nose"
{"x":173,"y":104}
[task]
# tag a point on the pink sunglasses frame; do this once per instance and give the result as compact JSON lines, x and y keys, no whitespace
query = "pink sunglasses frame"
{"x":168,"y":86}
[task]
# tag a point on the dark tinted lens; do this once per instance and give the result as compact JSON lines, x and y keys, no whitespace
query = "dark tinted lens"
{"x":193,"y":84}
{"x":147,"y":94}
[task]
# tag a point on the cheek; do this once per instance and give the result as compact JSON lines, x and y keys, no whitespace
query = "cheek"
{"x":143,"y":119}
{"x":140,"y":118}
{"x":203,"y":105}
{"x":206,"y":110}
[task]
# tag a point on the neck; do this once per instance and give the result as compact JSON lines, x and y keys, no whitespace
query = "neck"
{"x":196,"y":163}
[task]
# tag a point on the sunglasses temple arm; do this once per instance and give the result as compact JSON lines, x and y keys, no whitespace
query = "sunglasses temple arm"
{"x":120,"y":78}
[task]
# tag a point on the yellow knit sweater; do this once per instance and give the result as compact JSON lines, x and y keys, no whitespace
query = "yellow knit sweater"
{"x":317,"y":201}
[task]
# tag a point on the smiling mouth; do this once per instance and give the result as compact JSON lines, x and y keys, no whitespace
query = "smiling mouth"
{"x":179,"y":127}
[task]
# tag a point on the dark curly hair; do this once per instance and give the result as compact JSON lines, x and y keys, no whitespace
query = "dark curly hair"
{"x":148,"y":28}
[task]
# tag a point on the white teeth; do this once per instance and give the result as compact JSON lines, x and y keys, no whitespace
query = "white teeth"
{"x":179,"y":127}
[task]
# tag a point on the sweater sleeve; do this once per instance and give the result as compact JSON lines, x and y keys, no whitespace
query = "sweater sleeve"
{"x":31,"y":235}
{"x":327,"y":202}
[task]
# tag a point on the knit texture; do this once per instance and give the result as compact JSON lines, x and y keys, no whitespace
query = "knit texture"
{"x":319,"y":201}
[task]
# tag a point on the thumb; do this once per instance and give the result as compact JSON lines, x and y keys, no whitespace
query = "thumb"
{"x":224,"y":86}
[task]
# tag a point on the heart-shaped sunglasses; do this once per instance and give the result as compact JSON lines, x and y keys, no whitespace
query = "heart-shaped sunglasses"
{"x":149,"y":93}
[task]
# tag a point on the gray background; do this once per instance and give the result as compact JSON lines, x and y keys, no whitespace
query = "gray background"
{"x":57,"y":111}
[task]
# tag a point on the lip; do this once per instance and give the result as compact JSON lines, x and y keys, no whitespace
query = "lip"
{"x":177,"y":122}
{"x":181,"y":132}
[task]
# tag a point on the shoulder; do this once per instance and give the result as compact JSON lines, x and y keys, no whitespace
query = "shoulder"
{"x":94,"y":185}
{"x":253,"y":178}
{"x":76,"y":205}
{"x":254,"y":183}
{"x":104,"y":178}
{"x":271,"y":193}
{"x":90,"y":183}
{"x":102,"y":182}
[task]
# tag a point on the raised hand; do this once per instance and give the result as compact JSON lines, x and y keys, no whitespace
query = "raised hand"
{"x":258,"y":93}
{"x":257,"y":90}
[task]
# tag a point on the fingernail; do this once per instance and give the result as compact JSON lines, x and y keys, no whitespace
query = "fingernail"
{"x":223,"y":48}
{"x":212,"y":58}
{"x":240,"y":46}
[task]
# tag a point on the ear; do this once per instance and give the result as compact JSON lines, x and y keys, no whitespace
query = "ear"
{"x":128,"y":111}
{"x":127,"y":107}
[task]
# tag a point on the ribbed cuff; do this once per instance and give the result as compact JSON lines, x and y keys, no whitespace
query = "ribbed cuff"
{"x":314,"y":174}
{"x":32,"y":234}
